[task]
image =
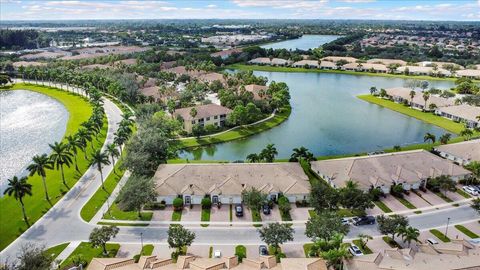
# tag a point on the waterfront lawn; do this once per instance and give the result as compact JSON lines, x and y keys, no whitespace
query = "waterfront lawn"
{"x":440,"y":235}
{"x":87,"y":253}
{"x":36,"y":206}
{"x":424,"y":116}
{"x":466,"y":231}
{"x":237,"y":133}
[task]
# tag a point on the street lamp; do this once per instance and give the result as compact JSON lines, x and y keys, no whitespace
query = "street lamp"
{"x":446,"y":229}
{"x":141,"y":241}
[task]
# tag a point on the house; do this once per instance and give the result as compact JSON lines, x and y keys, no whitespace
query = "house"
{"x":335,"y":59}
{"x":151,"y":91}
{"x":198,"y":263}
{"x":327,"y":65}
{"x":423,"y":70}
{"x":306,"y":63}
{"x":387,"y":61}
{"x":226,"y":53}
{"x":468,"y":73}
{"x":182,"y":70}
{"x":258,"y":91}
{"x":260,"y":61}
{"x":280,"y":62}
{"x":462,"y":153}
{"x":224,"y":182}
{"x":18,"y":64}
{"x":209,"y":114}
{"x":457,"y":254}
{"x":402,"y":95}
{"x":211,"y":77}
{"x":366,"y":67}
{"x":126,"y":62}
{"x":411,"y":169}
{"x":461,"y":113}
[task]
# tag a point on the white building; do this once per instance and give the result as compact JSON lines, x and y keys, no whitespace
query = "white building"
{"x":462,"y":153}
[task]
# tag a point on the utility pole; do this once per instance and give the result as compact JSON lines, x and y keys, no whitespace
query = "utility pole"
{"x":446,"y":229}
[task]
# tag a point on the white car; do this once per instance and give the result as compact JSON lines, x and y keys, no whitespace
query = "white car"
{"x":345,"y":221}
{"x":217,"y":254}
{"x":431,"y":241}
{"x":355,"y":250}
{"x":470,"y":190}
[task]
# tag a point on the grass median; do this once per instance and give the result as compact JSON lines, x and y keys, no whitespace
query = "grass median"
{"x":36,"y":206}
{"x":237,"y":133}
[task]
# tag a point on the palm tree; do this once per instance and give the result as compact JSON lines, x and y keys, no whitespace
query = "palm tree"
{"x":303,"y":153}
{"x":429,"y":137}
{"x":73,"y":143}
{"x":364,"y":239}
{"x":113,"y":152}
{"x":19,"y":188}
{"x":253,"y":158}
{"x":426,"y":96}
{"x":269,"y":152}
{"x":467,"y":133}
{"x":84,"y":137}
{"x":412,"y":95}
{"x":98,"y":158}
{"x":39,"y":166}
{"x":60,"y":156}
{"x":445,"y":138}
{"x":408,"y":234}
{"x":336,"y":256}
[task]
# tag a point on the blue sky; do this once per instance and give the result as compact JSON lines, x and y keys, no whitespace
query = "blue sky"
{"x":458,"y":10}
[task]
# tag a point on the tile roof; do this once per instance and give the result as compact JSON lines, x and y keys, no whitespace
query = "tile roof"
{"x":203,"y":111}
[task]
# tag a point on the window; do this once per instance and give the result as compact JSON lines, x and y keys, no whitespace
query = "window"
{"x":193,"y":122}
{"x":208,"y":119}
{"x":215,"y":117}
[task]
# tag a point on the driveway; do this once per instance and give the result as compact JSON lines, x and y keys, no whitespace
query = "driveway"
{"x":129,"y":250}
{"x":162,"y":251}
{"x":432,"y":198}
{"x":252,"y":251}
{"x":299,"y":213}
{"x":416,"y":200}
{"x":220,"y":215}
{"x":247,"y":216}
{"x":274,"y":215}
{"x":192,"y":214}
{"x":199,"y":250}
{"x":293,"y":251}
{"x":225,"y":250}
{"x":163,"y":215}
{"x":393,"y":203}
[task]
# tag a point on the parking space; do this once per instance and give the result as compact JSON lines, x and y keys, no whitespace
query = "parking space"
{"x":163,"y":215}
{"x":225,"y":251}
{"x":199,"y":250}
{"x":432,"y":198}
{"x":416,"y":200}
{"x":252,"y":251}
{"x":377,"y":245}
{"x":299,"y":213}
{"x":394,"y":204}
{"x":162,"y":251}
{"x":128,"y":250}
{"x":220,"y":214}
{"x":247,"y":215}
{"x":273,"y":216}
{"x":192,"y":214}
{"x":293,"y":251}
{"x":455,"y":196}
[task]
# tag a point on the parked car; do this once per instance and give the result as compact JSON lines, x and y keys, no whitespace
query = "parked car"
{"x":263,"y":250}
{"x":239,"y":210}
{"x":345,"y":221}
{"x":266,"y":209}
{"x":470,"y":190}
{"x":431,"y":241}
{"x":355,"y":250}
{"x":217,"y":254}
{"x":365,"y":220}
{"x":477,"y":188}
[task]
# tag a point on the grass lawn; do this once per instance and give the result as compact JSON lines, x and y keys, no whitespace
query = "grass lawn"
{"x":405,"y":202}
{"x":365,"y":250}
{"x":440,"y":235}
{"x":350,"y":213}
{"x":256,"y":217}
{"x":237,"y":133}
{"x":445,"y":198}
{"x":79,"y":111}
{"x":463,"y":193}
{"x":205,"y":216}
{"x":116,"y":213}
{"x":306,"y":248}
{"x":392,"y":243}
{"x":123,"y":224}
{"x":383,"y":206}
{"x":240,"y":66}
{"x":313,"y":178}
{"x":87,"y":253}
{"x":56,"y":250}
{"x":424,"y":116}
{"x":177,"y":216}
{"x":240,"y":252}
{"x":147,"y":250}
{"x":466,"y":231}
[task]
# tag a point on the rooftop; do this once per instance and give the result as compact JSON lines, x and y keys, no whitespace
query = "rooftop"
{"x":203,"y":111}
{"x":464,"y":111}
{"x":468,"y":150}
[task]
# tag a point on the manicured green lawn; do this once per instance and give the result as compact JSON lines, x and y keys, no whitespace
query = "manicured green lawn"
{"x":350,"y":213}
{"x":87,"y":253}
{"x":466,"y":231}
{"x":205,"y":216}
{"x":382,"y":206}
{"x":406,"y":203}
{"x":79,"y":111}
{"x":238,"y":133}
{"x":424,"y":116}
{"x":116,"y":213}
{"x":440,"y":235}
{"x":256,"y":217}
{"x":365,"y":250}
{"x":177,"y":216}
{"x":463,"y":193}
{"x":240,"y":252}
{"x":147,"y":250}
{"x":56,"y":250}
{"x":240,"y":66}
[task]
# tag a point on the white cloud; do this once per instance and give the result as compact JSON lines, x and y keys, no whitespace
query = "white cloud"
{"x":280,"y":3}
{"x":211,"y":6}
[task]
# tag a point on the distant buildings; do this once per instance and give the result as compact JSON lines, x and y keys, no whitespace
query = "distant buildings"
{"x":402,"y":95}
{"x":258,"y":91}
{"x":210,"y":114}
{"x":461,"y":113}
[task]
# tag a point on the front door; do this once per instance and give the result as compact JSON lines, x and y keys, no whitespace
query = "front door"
{"x":188,"y":200}
{"x":215,"y":199}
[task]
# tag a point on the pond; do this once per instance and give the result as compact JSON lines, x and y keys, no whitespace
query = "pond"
{"x":305,"y":42}
{"x":328,"y":119}
{"x":29,"y":121}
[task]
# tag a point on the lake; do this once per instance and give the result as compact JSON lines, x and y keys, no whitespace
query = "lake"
{"x":328,"y":119}
{"x":29,"y":121}
{"x":303,"y":43}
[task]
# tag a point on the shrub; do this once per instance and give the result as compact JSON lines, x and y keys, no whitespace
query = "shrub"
{"x":240,"y":252}
{"x":397,"y":191}
{"x":284,"y":204}
{"x":155,"y":206}
{"x":206,"y":203}
{"x":375,"y":193}
{"x":178,"y":203}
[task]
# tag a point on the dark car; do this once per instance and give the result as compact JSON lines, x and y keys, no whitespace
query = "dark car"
{"x":365,"y":220}
{"x":239,"y":210}
{"x":266,"y":209}
{"x":263,"y":250}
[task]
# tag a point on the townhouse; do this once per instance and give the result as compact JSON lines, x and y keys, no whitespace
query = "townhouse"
{"x":402,"y":95}
{"x":259,"y":91}
{"x":462,"y":153}
{"x":461,"y":113}
{"x":209,"y":114}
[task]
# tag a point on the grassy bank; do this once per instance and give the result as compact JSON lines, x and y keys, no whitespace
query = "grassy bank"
{"x":346,"y":72}
{"x":423,"y":116}
{"x":237,"y":133}
{"x":79,"y":111}
{"x":86,"y":252}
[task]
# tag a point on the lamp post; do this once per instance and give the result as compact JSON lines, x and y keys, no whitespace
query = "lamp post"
{"x":446,"y":229}
{"x":141,"y":241}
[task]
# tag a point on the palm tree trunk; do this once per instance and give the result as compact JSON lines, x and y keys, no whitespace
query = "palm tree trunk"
{"x":101,"y":175}
{"x":45,"y":188}
{"x":104,"y":247}
{"x":63,"y":176}
{"x":113,"y":163}
{"x":23,"y":211}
